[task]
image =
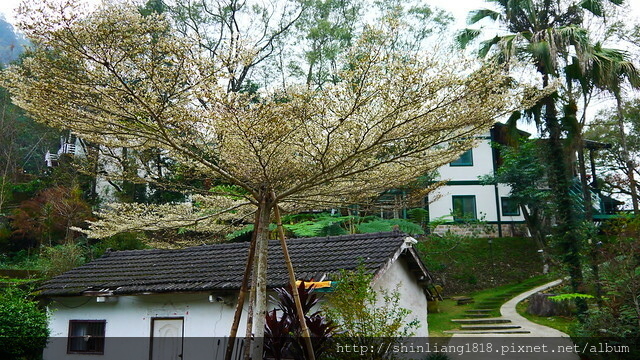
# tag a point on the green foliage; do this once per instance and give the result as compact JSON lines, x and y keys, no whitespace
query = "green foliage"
{"x":569,"y":297}
{"x":241,"y":233}
{"x":418,"y":216}
{"x":5,"y":192}
{"x":360,"y":312}
{"x":233,"y":191}
{"x":618,"y":311}
{"x":467,"y":264}
{"x":611,"y":164}
{"x":322,"y":225}
{"x":325,"y":224}
{"x":22,"y":259}
{"x":24,"y":141}
{"x":523,"y":169}
{"x":23,"y":329}
{"x":388,"y":225}
{"x":61,"y":258}
{"x":122,"y":241}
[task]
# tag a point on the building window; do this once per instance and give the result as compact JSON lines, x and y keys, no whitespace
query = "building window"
{"x":86,"y":337}
{"x":464,"y":207}
{"x":510,"y":207}
{"x":465,"y":159}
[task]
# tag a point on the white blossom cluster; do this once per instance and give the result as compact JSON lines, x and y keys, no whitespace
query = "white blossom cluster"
{"x":120,"y":79}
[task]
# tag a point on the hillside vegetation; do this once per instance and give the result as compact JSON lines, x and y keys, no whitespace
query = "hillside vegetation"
{"x":464,"y":265}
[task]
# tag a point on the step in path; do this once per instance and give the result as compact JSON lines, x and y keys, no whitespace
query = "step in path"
{"x":508,"y":331}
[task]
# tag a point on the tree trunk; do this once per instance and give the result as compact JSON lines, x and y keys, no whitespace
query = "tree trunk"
{"x":568,"y":231}
{"x":260,"y":277}
{"x":294,"y":289}
{"x":626,"y":157}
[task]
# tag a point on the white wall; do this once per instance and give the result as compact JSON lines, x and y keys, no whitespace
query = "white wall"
{"x":482,"y":164}
{"x":412,"y":296}
{"x":128,"y":321}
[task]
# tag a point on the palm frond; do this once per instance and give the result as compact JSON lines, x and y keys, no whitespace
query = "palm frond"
{"x":542,"y":53}
{"x":610,"y":67}
{"x":466,"y":36}
{"x":486,"y":46}
{"x":593,"y":6}
{"x":477,"y":15}
{"x":509,"y":46}
{"x":572,"y":35}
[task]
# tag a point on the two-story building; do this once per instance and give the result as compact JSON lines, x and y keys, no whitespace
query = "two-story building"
{"x":465,"y":205}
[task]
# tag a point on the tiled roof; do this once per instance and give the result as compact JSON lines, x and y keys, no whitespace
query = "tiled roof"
{"x":220,"y":266}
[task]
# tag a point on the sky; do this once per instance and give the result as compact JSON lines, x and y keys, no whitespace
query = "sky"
{"x":459,"y":8}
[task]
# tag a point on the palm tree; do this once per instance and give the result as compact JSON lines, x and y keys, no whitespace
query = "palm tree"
{"x":543,"y":32}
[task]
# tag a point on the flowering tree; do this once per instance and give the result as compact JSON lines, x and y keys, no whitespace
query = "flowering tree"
{"x":117,"y":78}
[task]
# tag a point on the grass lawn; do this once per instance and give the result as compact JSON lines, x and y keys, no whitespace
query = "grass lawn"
{"x":562,"y":323}
{"x":448,"y":309}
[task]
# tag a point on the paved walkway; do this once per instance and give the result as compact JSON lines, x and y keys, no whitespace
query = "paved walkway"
{"x":508,"y":310}
{"x":541,"y":342}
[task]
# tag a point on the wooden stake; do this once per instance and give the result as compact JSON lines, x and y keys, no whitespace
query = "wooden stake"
{"x":243,"y":291}
{"x":292,"y":282}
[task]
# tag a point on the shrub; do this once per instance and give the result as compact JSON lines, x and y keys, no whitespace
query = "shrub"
{"x":118,"y":242}
{"x":283,"y":335}
{"x":61,"y":258}
{"x":23,"y":329}
{"x":364,"y":317}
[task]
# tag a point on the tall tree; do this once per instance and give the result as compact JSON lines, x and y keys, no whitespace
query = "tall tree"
{"x":610,"y":69}
{"x":392,"y":117}
{"x":545,"y":33}
{"x":610,"y":162}
{"x":327,"y":28}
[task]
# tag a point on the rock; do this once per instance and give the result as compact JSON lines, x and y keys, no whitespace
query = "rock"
{"x":541,"y":305}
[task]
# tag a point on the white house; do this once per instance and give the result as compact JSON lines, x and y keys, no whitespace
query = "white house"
{"x":464,"y":197}
{"x":109,"y":166}
{"x":142,"y":304}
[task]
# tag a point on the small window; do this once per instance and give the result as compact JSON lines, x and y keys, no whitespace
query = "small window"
{"x":510,"y":207}
{"x":86,"y":337}
{"x":464,"y":207}
{"x":466,"y":159}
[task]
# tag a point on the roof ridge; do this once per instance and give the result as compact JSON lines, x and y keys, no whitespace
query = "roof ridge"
{"x":381,"y":234}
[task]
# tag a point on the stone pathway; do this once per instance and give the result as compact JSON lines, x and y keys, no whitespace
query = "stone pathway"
{"x":511,"y":336}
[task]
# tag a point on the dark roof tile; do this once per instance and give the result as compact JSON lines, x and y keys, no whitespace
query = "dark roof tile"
{"x":220,"y":266}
